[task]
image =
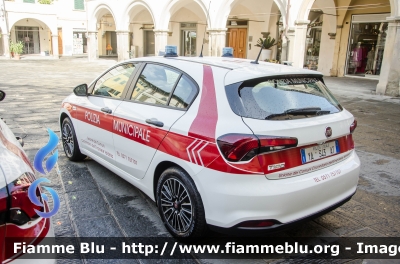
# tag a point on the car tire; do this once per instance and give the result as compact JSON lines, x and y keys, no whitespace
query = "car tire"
{"x":70,"y":143}
{"x":180,"y":205}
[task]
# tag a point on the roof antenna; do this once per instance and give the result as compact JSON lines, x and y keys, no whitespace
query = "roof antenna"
{"x":204,"y":35}
{"x":259,"y":54}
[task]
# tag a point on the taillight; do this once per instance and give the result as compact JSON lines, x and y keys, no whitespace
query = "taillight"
{"x":353,"y":126}
{"x":243,"y":147}
{"x":21,"y":209}
{"x":3,"y":205}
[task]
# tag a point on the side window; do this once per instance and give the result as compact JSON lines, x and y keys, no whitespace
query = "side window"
{"x":155,"y":84}
{"x":184,"y":93}
{"x":113,"y":83}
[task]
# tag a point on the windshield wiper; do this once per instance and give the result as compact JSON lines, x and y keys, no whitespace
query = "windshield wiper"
{"x":301,"y":111}
{"x":314,"y":111}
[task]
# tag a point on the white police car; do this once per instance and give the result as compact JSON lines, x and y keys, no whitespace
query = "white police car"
{"x":217,"y":142}
{"x":18,"y":220}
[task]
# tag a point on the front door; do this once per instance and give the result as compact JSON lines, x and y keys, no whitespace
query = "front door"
{"x":149,"y":43}
{"x":96,"y":112}
{"x":60,"y":42}
{"x":237,"y":40}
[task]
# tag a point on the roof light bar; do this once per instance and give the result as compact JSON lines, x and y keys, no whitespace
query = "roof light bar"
{"x":227,"y":52}
{"x":171,"y":51}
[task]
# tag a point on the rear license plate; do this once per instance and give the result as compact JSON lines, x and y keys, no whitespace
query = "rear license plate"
{"x":320,"y":151}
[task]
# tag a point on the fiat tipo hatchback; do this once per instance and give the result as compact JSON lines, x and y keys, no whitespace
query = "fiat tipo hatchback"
{"x":218,"y":143}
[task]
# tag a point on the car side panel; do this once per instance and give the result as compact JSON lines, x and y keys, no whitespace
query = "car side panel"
{"x":95,"y":126}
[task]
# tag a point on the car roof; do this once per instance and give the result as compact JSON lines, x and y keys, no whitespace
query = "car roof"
{"x":240,"y":69}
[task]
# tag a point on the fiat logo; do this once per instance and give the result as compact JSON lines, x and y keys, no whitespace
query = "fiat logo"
{"x":328,"y":132}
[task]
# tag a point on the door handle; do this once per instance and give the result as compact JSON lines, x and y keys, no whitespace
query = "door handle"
{"x":155,"y":122}
{"x":106,"y":110}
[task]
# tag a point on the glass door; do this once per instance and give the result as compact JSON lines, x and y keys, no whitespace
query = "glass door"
{"x":30,"y":38}
{"x":189,"y":38}
{"x":365,"y":50}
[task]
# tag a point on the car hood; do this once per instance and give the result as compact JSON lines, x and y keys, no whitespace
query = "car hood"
{"x":13,"y":159}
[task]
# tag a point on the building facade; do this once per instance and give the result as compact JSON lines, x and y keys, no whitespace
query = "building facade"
{"x":358,"y":38}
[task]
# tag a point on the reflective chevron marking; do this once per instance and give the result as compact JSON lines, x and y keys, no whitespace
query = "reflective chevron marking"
{"x":194,"y":155}
{"x":198,"y":153}
{"x":191,"y":151}
{"x":188,"y":152}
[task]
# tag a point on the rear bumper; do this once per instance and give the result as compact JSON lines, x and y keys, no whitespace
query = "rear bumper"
{"x":230,"y":199}
{"x":243,"y":231}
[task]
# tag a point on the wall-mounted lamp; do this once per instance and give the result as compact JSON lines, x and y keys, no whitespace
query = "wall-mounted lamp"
{"x":170,"y":33}
{"x":332,"y":35}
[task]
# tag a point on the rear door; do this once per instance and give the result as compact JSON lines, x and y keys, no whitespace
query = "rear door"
{"x":159,"y":97}
{"x":96,"y":111}
{"x":300,"y":107}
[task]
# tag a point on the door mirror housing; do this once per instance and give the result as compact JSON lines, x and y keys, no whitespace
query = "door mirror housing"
{"x":81,"y":90}
{"x":2,"y":95}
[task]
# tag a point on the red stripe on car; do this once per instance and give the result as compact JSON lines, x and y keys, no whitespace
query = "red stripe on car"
{"x":205,"y":123}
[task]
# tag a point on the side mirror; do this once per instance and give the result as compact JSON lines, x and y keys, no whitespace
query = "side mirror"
{"x":81,"y":90}
{"x":2,"y":95}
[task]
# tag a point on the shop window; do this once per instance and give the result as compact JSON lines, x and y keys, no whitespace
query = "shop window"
{"x":29,"y":1}
{"x":79,"y":43}
{"x":366,"y":47}
{"x":313,"y":43}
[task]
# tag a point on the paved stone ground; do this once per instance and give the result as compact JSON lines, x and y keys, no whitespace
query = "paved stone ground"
{"x":95,"y":202}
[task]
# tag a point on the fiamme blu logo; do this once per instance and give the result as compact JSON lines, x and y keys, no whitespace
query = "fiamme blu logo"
{"x":50,"y":162}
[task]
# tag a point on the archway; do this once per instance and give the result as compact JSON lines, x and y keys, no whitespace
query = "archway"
{"x":141,"y":30}
{"x":187,"y":22}
{"x":105,"y":25}
{"x":249,"y":20}
{"x":35,"y":35}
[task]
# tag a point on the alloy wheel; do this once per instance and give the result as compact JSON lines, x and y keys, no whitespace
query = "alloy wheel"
{"x":68,"y":139}
{"x":176,"y":205}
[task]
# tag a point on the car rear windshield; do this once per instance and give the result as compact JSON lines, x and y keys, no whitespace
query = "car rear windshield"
{"x":282,"y":98}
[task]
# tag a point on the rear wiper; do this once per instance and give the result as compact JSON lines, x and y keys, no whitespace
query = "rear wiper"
{"x":302,"y":111}
{"x":315,"y":111}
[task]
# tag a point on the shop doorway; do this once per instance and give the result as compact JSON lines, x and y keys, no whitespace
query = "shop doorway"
{"x":366,"y":45}
{"x":237,"y":40}
{"x":29,"y":36}
{"x":149,"y":40}
{"x":189,"y":39}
